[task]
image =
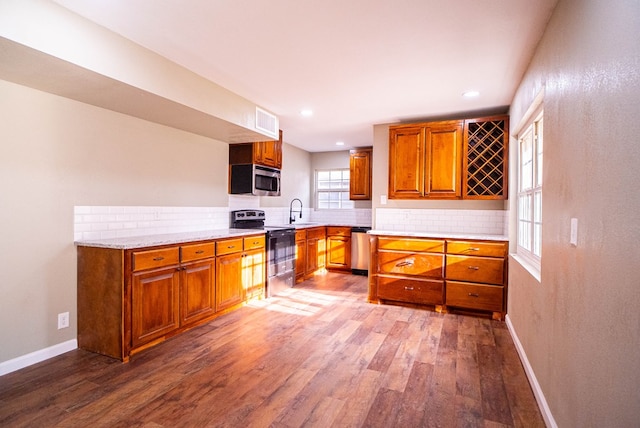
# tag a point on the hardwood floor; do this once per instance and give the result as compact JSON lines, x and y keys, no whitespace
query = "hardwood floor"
{"x":317,"y":355}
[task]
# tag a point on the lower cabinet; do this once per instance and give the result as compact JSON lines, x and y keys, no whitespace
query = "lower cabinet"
{"x":310,"y":252}
{"x":155,"y":304}
{"x":129,"y":300}
{"x":338,"y":256}
{"x":450,"y":275}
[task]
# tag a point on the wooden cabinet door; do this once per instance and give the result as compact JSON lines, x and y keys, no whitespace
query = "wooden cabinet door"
{"x":268,"y":153}
{"x":339,"y":252}
{"x":154,"y":304}
{"x":360,"y":174}
{"x":229,"y":291}
{"x":301,"y":259}
{"x":312,"y":257}
{"x":197,"y":291}
{"x":406,"y":162}
{"x":254,"y":273}
{"x":443,"y":160}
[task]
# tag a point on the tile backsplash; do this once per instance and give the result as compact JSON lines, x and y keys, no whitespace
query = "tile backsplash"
{"x":103,"y":222}
{"x":491,"y":222}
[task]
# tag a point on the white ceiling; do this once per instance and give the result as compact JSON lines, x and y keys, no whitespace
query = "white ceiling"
{"x":355,"y":63}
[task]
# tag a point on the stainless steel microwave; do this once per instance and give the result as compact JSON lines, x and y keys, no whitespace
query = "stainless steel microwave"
{"x":252,"y":179}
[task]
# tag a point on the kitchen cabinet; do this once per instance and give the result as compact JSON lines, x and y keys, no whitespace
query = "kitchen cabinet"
{"x":266,"y":153}
{"x":301,"y":254}
{"x":130,"y":299}
{"x":425,"y":160}
{"x":409,"y":270}
{"x":310,"y":252}
{"x":476,"y":276}
{"x":316,"y":249}
{"x":360,"y":174}
{"x":338,"y":257}
{"x":450,"y":275}
{"x":254,"y":267}
{"x":229,"y":290}
{"x":454,"y":159}
{"x":486,"y":143}
{"x":197,"y":282}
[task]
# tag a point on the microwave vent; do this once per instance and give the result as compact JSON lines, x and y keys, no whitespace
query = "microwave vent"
{"x":267,"y":122}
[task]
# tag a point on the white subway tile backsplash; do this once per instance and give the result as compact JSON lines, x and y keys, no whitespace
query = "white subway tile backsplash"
{"x":492,"y":222}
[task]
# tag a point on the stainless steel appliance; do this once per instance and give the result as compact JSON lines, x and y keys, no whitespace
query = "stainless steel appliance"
{"x":251,"y":179}
{"x":281,"y":248}
{"x":360,"y":250}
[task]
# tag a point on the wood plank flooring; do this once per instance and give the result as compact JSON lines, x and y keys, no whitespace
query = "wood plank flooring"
{"x":318,"y":355}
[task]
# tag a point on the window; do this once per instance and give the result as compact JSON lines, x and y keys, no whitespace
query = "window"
{"x":332,"y":189}
{"x":530,"y":191}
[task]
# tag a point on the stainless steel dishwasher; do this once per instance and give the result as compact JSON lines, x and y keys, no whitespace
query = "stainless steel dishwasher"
{"x":360,"y":250}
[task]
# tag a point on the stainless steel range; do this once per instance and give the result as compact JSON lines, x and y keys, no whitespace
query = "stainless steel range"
{"x":281,"y":248}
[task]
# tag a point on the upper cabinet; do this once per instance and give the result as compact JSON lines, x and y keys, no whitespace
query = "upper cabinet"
{"x":360,"y":174}
{"x":455,"y":159}
{"x":266,"y":153}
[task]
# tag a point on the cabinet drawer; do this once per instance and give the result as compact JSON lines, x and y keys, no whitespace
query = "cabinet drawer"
{"x":423,"y":264}
{"x":424,"y":291}
{"x":471,"y":248}
{"x":301,"y":235}
{"x":316,"y":233}
{"x":407,"y":244}
{"x":338,"y":231}
{"x":476,"y":269}
{"x":228,"y":246}
{"x":193,"y":252}
{"x":155,"y":258}
{"x":254,"y":242}
{"x":474,"y":296}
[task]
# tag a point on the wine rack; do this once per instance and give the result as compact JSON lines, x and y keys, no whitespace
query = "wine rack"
{"x":485,"y":158}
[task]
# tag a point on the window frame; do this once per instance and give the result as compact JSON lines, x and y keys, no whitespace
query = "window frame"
{"x":529,"y":238}
{"x":343,"y":189}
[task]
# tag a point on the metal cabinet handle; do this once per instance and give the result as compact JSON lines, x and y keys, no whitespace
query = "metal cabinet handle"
{"x":231,"y":246}
{"x":408,"y":288}
{"x":474,"y":295}
{"x":473,"y":249}
{"x":405,"y":263}
{"x":157,"y":259}
{"x":200,"y":252}
{"x":473,"y":267}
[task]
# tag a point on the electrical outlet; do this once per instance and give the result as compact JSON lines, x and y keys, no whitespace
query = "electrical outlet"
{"x":63,"y":320}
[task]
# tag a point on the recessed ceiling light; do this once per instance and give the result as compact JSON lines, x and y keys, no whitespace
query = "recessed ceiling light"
{"x":306,"y":112}
{"x":471,"y":94}
{"x":340,"y":143}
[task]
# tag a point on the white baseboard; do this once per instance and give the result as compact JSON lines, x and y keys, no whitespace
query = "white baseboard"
{"x":37,"y":356}
{"x":537,"y":391}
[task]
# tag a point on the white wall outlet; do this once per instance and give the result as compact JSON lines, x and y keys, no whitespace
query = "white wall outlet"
{"x":573,"y":239}
{"x":63,"y":320}
{"x":383,"y":199}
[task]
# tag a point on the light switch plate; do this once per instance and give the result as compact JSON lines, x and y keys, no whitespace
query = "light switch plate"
{"x":573,"y":239}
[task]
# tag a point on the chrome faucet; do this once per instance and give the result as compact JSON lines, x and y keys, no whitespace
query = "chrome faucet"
{"x":292,"y":218}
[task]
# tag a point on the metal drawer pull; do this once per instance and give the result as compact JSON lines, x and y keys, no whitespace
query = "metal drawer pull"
{"x":199,"y":251}
{"x":157,"y":259}
{"x":256,"y":242}
{"x":474,"y":295}
{"x":231,"y":246}
{"x":405,"y":263}
{"x":473,"y":249}
{"x":408,"y":288}
{"x":473,"y":267}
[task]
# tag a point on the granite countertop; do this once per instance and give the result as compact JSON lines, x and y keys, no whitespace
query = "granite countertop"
{"x":127,"y":243}
{"x":442,"y":235}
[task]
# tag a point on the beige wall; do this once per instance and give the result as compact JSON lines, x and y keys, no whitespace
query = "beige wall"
{"x":57,"y":153}
{"x":580,"y":326}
